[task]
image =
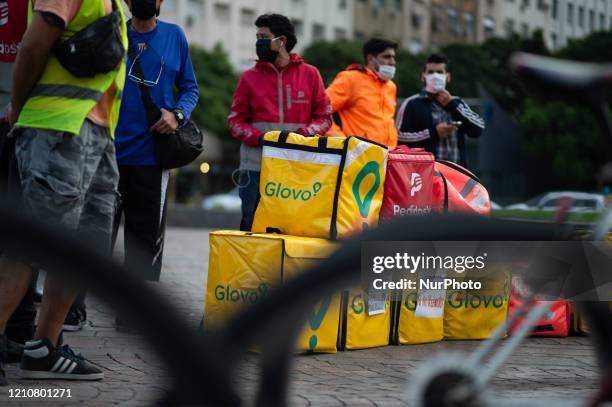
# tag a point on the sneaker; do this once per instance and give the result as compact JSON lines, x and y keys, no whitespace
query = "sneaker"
{"x":75,"y":320}
{"x":41,"y":360}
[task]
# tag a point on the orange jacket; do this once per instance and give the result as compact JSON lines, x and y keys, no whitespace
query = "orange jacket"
{"x":365,"y":104}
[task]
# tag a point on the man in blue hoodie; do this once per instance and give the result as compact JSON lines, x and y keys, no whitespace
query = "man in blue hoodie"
{"x":162,"y":52}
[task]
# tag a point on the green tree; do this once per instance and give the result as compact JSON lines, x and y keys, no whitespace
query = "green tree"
{"x":562,"y":130}
{"x":332,"y":57}
{"x":217,"y":81}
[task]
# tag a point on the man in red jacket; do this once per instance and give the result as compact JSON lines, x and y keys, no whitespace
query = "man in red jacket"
{"x":280,"y":92}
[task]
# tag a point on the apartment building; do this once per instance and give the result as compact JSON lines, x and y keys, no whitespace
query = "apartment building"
{"x":231,"y":22}
{"x":405,"y":21}
{"x":454,"y":21}
{"x":559,"y":20}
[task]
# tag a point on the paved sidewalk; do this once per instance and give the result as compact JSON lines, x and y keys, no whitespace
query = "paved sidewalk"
{"x":376,"y":377}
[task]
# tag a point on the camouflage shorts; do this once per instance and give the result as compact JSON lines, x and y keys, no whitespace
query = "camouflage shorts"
{"x":70,"y":181}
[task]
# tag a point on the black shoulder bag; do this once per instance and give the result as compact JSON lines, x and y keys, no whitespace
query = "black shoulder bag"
{"x":171,"y":150}
{"x":97,"y":48}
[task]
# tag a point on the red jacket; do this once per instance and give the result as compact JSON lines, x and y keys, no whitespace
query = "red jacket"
{"x":266,"y":99}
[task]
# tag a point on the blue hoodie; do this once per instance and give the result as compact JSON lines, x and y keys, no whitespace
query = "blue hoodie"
{"x":164,"y":50}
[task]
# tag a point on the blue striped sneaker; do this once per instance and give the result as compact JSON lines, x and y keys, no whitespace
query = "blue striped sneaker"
{"x":41,"y":360}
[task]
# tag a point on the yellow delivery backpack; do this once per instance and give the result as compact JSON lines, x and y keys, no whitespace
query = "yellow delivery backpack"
{"x":420,"y":317}
{"x":366,"y":321}
{"x":327,"y":187}
{"x":244,"y":267}
{"x":475,"y":314}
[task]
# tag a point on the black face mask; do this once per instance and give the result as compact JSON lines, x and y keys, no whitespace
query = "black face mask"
{"x":144,"y":9}
{"x":264,"y":52}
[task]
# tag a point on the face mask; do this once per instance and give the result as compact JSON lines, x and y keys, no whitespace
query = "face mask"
{"x":386,"y":72}
{"x":264,"y":52}
{"x":144,"y":9}
{"x":435,"y":82}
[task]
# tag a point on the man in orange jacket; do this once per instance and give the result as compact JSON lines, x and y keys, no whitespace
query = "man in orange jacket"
{"x":363,"y":97}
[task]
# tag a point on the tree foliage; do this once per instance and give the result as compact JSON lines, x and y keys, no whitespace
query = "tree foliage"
{"x":217,"y":81}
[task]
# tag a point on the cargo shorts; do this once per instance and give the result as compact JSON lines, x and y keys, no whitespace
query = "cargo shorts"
{"x":70,"y":181}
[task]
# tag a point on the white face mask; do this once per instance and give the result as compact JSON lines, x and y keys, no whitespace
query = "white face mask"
{"x":386,"y":72}
{"x":435,"y":82}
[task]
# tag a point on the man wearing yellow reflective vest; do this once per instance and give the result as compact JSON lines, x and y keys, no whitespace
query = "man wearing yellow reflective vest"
{"x":63,"y":129}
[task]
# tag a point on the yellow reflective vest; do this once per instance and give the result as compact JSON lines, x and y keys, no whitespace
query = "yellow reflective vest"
{"x":61,"y":101}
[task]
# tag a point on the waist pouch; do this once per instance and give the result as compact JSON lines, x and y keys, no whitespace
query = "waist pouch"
{"x":96,"y":49}
{"x":408,"y":183}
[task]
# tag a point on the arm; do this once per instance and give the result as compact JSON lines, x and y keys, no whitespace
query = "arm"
{"x":411,"y":129}
{"x":471,"y":123}
{"x":320,"y":112}
{"x":186,"y":83}
{"x":188,"y":92}
{"x":32,"y":58}
{"x":240,"y":117}
{"x":339,"y":92}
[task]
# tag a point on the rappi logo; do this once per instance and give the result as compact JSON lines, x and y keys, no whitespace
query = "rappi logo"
{"x":4,"y":13}
{"x":417,"y":183}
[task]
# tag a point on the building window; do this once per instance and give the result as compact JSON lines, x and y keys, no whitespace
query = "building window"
{"x":602,"y":21}
{"x":342,"y":4}
{"x":189,"y":21}
{"x":222,"y":12}
{"x":580,"y":16}
{"x":359,"y":36}
{"x":339,"y":33}
{"x":509,"y":27}
{"x":555,"y":9}
{"x":570,"y":13}
{"x":592,"y":20}
{"x":453,"y":21}
{"x":542,"y":5}
{"x":415,"y":46}
{"x":397,"y":5}
{"x":247,"y":17}
{"x":488,"y":24}
{"x":318,"y":32}
{"x":525,"y":30}
{"x":416,"y":20}
{"x":436,"y":19}
{"x":298,"y":25}
{"x":468,"y":23}
{"x":553,"y":40}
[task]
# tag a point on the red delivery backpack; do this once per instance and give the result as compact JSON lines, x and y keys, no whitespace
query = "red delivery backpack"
{"x":408,"y":183}
{"x":456,"y":189}
{"x":555,"y":323}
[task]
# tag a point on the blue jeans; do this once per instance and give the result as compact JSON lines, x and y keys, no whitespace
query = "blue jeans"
{"x":249,"y":194}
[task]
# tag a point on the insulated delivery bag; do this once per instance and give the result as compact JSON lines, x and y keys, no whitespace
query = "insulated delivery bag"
{"x":456,"y":189}
{"x":244,"y":267}
{"x":326,"y":187}
{"x":408,"y":183}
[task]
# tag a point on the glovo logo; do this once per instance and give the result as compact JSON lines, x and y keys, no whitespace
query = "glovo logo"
{"x":466,"y":299}
{"x":410,"y":302}
{"x":277,"y":190}
{"x":246,"y":296}
{"x":316,"y":319}
{"x":357,"y":304}
{"x":364,"y":204}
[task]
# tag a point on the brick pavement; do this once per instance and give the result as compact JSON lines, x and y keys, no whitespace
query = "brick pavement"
{"x":376,"y":377}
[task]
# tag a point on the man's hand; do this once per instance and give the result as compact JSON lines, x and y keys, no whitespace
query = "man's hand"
{"x":445,"y":130}
{"x":443,"y":97}
{"x":167,"y":124}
